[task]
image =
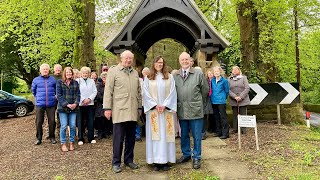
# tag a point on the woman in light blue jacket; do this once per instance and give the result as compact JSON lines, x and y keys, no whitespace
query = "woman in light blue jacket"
{"x":220,"y":91}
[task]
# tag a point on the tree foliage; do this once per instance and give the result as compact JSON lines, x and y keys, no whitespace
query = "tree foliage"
{"x":34,"y":32}
{"x":276,"y":55}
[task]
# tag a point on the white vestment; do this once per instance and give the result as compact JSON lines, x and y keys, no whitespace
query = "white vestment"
{"x":160,"y":149}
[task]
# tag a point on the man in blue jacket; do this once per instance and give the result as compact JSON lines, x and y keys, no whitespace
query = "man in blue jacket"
{"x":44,"y":91}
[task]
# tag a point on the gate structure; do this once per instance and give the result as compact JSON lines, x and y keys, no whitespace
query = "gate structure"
{"x":182,"y":20}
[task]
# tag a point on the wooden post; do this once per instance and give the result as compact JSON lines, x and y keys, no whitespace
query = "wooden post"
{"x":256,"y":134}
{"x":278,"y":114}
{"x":248,"y":121}
{"x":239,"y":136}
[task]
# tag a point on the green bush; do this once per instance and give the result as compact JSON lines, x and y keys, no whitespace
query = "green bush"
{"x":312,"y":107}
{"x":311,"y":97}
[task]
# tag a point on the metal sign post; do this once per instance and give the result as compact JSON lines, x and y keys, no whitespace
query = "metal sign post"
{"x":278,"y":114}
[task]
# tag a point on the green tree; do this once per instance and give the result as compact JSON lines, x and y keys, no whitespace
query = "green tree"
{"x":34,"y":32}
{"x":84,"y":11}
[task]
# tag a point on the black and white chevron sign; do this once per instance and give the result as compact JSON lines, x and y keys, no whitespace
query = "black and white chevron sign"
{"x":274,"y":93}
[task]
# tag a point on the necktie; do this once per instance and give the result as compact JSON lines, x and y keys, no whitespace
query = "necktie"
{"x":184,"y":74}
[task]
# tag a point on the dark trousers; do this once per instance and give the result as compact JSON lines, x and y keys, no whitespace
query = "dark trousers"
{"x":242,"y":111}
{"x":86,"y":119}
{"x":222,"y":121}
{"x":40,"y":111}
{"x":58,"y":117}
{"x":103,"y":126}
{"x":123,"y":131}
{"x":209,"y":124}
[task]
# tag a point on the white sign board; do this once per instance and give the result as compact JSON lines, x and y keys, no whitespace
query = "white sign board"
{"x":250,"y":122}
{"x":247,"y":121}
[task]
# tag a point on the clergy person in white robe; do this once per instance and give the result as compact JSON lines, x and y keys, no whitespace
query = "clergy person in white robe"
{"x":160,"y":105}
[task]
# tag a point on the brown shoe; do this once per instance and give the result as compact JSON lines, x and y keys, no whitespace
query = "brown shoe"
{"x":71,"y":148}
{"x":64,"y":148}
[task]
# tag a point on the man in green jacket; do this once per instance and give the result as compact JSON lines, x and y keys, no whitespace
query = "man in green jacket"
{"x":192,"y":90}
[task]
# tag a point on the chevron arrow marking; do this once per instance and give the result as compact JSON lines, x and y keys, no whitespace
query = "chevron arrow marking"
{"x":292,"y":93}
{"x":261,"y":94}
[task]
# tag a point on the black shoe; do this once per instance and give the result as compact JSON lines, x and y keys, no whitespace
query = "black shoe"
{"x":132,"y":165}
{"x":204,"y":137}
{"x":156,"y":167}
{"x":104,"y":136}
{"x":235,"y":131}
{"x":216,"y":135}
{"x":99,"y":137}
{"x":166,"y":167}
{"x":183,"y":159}
{"x":53,"y":141}
{"x":224,"y":137}
{"x":116,"y":169}
{"x":196,"y":164}
{"x":38,"y":142}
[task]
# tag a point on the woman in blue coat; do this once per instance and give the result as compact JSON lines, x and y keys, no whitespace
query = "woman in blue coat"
{"x":220,"y":91}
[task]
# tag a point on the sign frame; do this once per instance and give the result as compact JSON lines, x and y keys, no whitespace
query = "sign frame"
{"x":248,"y":122}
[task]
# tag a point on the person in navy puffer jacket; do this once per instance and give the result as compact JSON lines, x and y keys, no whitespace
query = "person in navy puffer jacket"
{"x":44,"y":91}
{"x":220,"y":92}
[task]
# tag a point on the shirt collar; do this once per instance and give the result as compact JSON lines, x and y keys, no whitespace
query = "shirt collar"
{"x":183,"y":70}
{"x":122,"y":68}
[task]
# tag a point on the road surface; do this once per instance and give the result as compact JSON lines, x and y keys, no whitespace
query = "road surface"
{"x":314,"y":119}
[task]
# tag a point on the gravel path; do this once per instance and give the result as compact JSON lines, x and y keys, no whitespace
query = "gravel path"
{"x":21,"y":159}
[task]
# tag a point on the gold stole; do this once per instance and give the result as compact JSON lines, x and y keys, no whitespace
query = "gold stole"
{"x":168,"y":116}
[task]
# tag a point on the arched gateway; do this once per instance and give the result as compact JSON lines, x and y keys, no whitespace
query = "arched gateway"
{"x":182,"y":20}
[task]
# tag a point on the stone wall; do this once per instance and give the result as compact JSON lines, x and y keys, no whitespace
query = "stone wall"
{"x":289,"y":113}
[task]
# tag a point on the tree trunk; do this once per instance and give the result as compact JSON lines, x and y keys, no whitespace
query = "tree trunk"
{"x":249,"y":36}
{"x":84,"y":44}
{"x":218,"y":11}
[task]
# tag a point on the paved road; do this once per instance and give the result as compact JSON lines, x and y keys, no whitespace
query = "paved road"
{"x":314,"y":119}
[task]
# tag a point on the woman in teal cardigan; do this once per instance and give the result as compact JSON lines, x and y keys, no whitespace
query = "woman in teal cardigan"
{"x":220,"y":92}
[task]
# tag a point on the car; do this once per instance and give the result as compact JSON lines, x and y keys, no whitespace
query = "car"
{"x":14,"y":105}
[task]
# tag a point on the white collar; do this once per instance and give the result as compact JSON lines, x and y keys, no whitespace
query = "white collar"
{"x":186,"y":70}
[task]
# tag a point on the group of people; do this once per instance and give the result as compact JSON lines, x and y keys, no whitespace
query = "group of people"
{"x":77,"y":97}
{"x":167,"y":101}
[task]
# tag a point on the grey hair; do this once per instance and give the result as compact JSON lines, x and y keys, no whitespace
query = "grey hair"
{"x":217,"y":67}
{"x":75,"y":71}
{"x":184,"y":53}
{"x":44,"y":65}
{"x":103,"y":74}
{"x":57,"y":66}
{"x":145,"y":69}
{"x":125,"y":53}
{"x":85,"y":68}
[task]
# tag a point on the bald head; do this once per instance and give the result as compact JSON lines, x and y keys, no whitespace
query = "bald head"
{"x":184,"y":55}
{"x":184,"y":60}
{"x":126,"y":53}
